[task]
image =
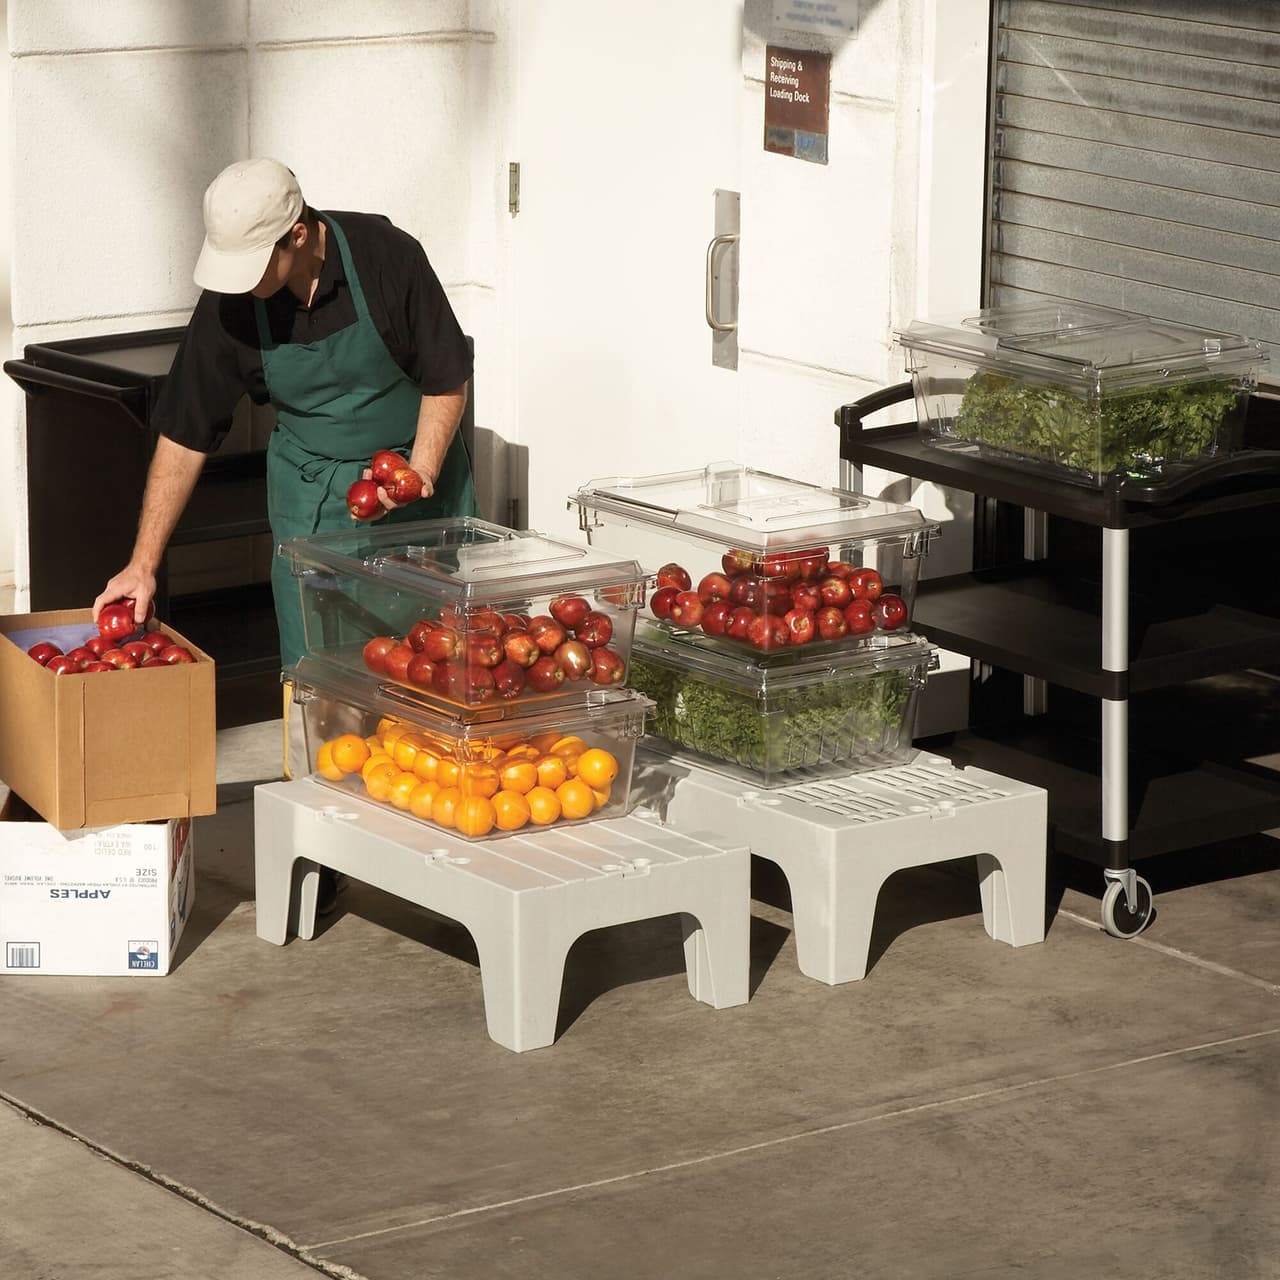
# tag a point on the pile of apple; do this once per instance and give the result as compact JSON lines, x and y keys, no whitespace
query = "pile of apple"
{"x":390,"y":472}
{"x":774,"y":601}
{"x":113,"y":648}
{"x":476,"y":655}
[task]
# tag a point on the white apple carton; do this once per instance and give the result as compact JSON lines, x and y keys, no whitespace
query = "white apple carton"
{"x":104,"y":748}
{"x":92,"y":902}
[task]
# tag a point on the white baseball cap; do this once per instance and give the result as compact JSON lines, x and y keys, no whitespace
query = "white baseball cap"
{"x":247,"y":208}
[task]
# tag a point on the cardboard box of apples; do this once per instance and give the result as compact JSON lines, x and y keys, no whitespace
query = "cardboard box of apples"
{"x":83,"y":749}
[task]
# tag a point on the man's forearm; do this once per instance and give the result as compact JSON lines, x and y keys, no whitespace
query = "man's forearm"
{"x":170,"y":481}
{"x":438,"y":418}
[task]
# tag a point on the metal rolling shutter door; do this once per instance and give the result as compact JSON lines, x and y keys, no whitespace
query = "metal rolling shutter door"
{"x":1135,"y":158}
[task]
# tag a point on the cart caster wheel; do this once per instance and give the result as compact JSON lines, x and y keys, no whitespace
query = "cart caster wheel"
{"x":1117,"y":919}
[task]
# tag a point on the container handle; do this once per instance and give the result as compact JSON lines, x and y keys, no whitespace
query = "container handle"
{"x":34,"y":378}
{"x":720,"y":326}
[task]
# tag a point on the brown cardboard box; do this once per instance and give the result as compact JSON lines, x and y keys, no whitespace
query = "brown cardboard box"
{"x":106,"y":748}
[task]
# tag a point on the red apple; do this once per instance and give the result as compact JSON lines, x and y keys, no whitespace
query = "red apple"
{"x":418,"y":634}
{"x":154,"y":640}
{"x":835,"y":591}
{"x":813,"y":564}
{"x":509,"y":679}
{"x":674,"y":575}
{"x":776,"y":597}
{"x":839,"y":569}
{"x":607,"y":667}
{"x":61,"y":665}
{"x":397,"y":659}
{"x":375,"y":653}
{"x":660,"y":602}
{"x":82,"y":656}
{"x":714,"y":586}
{"x":115,"y":621}
{"x":546,"y":675}
{"x":715,"y":618}
{"x":404,"y":487}
{"x":97,"y":666}
{"x":748,"y":589}
{"x":569,"y":611}
{"x":740,"y":621}
{"x":805,"y":595}
{"x":801,"y":625}
{"x":782,"y":568}
{"x":687,"y":609}
{"x":768,"y":632}
{"x":575,"y":658}
{"x":138,"y":649}
{"x":890,"y":612}
{"x":99,"y":644}
{"x":484,"y":651}
{"x":547,"y":633}
{"x":363,"y":501}
{"x":595,"y":629}
{"x":830,"y":623}
{"x":484,"y":619}
{"x":175,"y":653}
{"x":515,"y":621}
{"x":153,"y":660}
{"x":476,"y":685}
{"x":521,"y":648}
{"x":420,"y":671}
{"x":383,"y":466}
{"x":735,"y":562}
{"x":44,"y":651}
{"x":866,"y":584}
{"x":118,"y":658}
{"x":441,"y":644}
{"x":859,"y":617}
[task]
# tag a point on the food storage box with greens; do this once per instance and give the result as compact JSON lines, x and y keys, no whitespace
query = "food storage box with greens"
{"x":467,"y":613}
{"x":759,"y":563}
{"x":508,"y":768}
{"x":769,"y":718}
{"x":1082,"y":391}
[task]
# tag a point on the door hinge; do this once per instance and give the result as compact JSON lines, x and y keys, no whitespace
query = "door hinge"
{"x":513,"y":187}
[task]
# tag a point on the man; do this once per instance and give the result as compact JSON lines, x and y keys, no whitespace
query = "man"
{"x":340,"y":323}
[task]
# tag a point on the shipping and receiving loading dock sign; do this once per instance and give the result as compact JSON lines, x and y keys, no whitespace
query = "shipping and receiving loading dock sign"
{"x":797,"y":102}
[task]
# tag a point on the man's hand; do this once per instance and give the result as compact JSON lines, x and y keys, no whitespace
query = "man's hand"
{"x":388,"y":504}
{"x":133,"y":583}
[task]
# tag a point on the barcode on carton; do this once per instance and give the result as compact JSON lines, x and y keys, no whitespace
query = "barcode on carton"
{"x":21,"y":955}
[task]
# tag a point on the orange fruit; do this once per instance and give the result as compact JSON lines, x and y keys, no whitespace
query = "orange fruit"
{"x":393,"y":735}
{"x":325,"y":765}
{"x":445,"y":805}
{"x":448,"y":772}
{"x":597,"y":767}
{"x":474,"y":816}
{"x":576,"y":800}
{"x":479,"y":779}
{"x":543,"y":742}
{"x":349,"y":751}
{"x":525,"y":751}
{"x":552,"y":771}
{"x":403,"y":752}
{"x":511,"y":810}
{"x":402,"y":788}
{"x":568,"y":746}
{"x":377,"y":758}
{"x":544,"y":806}
{"x":378,"y":779}
{"x":384,"y":725}
{"x":520,"y":776}
{"x":601,"y":796}
{"x":374,"y":743}
{"x":425,"y":764}
{"x":420,"y":799}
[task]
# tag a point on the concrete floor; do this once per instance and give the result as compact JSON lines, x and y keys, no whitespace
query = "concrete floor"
{"x":1081,"y":1108}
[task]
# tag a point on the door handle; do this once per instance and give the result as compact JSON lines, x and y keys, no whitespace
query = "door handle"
{"x":717,"y":242}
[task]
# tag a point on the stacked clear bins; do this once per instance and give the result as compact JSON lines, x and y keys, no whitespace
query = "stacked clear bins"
{"x":1081,"y":391}
{"x":777,"y":636}
{"x":469,"y":675}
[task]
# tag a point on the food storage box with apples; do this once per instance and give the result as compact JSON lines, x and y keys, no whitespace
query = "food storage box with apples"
{"x":1080,"y":391}
{"x":773,"y":718}
{"x":510,"y":767}
{"x":759,"y":563}
{"x":467,"y":613}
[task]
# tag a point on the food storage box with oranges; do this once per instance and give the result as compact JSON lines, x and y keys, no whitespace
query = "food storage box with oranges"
{"x":468,"y":613}
{"x":757,"y":562}
{"x":506,"y":769}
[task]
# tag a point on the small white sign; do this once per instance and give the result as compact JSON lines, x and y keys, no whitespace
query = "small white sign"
{"x":825,"y":17}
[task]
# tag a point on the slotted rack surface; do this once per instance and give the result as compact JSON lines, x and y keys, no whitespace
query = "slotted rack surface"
{"x":895,"y":792}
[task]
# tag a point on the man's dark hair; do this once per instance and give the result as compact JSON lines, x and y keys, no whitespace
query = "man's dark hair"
{"x":306,"y":214}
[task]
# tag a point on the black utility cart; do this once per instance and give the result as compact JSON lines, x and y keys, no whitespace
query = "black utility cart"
{"x":1123,"y":595}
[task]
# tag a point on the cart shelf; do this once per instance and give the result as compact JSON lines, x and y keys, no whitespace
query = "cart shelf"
{"x":1036,"y":620}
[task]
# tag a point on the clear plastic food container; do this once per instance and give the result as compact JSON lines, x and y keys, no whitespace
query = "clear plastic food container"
{"x":467,"y":613}
{"x":765,"y":721}
{"x":1082,"y":391}
{"x":512,"y":768}
{"x":758,"y":562}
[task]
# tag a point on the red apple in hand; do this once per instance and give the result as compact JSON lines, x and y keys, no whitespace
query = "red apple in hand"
{"x":44,"y":651}
{"x":383,"y":466}
{"x":115,"y":621}
{"x":363,"y":501}
{"x":404,"y":487}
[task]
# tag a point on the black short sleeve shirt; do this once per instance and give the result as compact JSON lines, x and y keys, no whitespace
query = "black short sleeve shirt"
{"x":219,"y":358}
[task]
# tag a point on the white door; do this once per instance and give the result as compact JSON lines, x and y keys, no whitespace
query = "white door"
{"x":628,"y":120}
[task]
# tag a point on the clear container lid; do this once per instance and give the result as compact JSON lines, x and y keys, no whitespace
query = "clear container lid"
{"x":1087,"y":346}
{"x":737,"y":506}
{"x":464,"y":560}
{"x":318,"y":677}
{"x":758,"y":674}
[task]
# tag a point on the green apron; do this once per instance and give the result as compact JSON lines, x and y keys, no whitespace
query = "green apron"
{"x":337,"y":401}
